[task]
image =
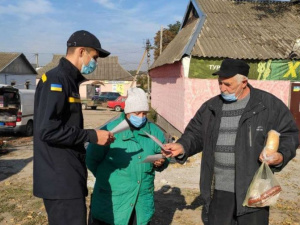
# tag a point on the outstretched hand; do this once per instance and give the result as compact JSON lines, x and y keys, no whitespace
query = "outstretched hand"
{"x":172,"y":150}
{"x":105,"y":137}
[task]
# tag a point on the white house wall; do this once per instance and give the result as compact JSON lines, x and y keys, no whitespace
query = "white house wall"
{"x":186,"y":61}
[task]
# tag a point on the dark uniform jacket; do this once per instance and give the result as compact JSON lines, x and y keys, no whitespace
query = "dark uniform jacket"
{"x":263,"y":112}
{"x":59,"y":170}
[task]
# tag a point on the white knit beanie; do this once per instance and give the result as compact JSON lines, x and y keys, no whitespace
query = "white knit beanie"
{"x":136,"y":101}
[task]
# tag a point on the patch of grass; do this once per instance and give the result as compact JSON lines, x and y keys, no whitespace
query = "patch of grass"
{"x":36,"y":218}
{"x":18,"y":202}
{"x":7,"y":207}
{"x":38,"y":204}
{"x":19,"y":215}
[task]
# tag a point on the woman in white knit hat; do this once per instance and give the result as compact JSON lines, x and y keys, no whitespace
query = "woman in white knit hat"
{"x":124,"y":188}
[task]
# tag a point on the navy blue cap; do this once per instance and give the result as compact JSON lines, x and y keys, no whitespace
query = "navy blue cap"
{"x":84,"y":38}
{"x":231,"y":67}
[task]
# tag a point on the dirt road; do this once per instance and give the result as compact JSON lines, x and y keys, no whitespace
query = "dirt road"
{"x":176,"y":189}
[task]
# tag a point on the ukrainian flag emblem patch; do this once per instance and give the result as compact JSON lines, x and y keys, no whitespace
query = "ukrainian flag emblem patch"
{"x":56,"y":87}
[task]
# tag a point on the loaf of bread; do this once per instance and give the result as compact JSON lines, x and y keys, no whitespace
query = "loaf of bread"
{"x":272,"y":143}
{"x":264,"y":197}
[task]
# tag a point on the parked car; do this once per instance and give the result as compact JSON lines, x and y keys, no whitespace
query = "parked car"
{"x":117,"y":104}
{"x":106,"y":96}
{"x":16,"y":110}
{"x":89,"y":103}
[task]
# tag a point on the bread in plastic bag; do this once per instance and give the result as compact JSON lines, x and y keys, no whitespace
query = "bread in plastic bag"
{"x":264,"y":189}
{"x":272,"y":144}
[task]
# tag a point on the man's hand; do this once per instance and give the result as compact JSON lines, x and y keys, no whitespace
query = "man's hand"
{"x":172,"y":150}
{"x":272,"y":159}
{"x":105,"y":137}
{"x":158,"y":163}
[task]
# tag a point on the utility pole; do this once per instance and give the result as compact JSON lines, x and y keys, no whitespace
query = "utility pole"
{"x":160,"y":41}
{"x":138,"y":70}
{"x":148,"y":47}
{"x":147,"y":51}
{"x":37,"y":59}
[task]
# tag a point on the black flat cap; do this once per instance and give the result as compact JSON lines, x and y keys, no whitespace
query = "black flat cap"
{"x":231,"y":67}
{"x":84,"y":38}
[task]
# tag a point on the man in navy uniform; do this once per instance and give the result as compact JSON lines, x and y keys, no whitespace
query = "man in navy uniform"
{"x":59,"y":171}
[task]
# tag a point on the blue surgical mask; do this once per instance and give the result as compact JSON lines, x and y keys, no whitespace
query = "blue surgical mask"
{"x":137,"y":121}
{"x":90,"y":67}
{"x":229,"y":97}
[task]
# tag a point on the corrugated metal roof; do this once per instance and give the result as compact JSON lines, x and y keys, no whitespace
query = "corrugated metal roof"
{"x":108,"y":69}
{"x":175,"y":49}
{"x":49,"y":66}
{"x":249,"y":30}
{"x":236,"y":29}
{"x":10,"y":58}
{"x":6,"y":58}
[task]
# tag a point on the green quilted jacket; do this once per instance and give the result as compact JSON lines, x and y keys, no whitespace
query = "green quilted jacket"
{"x":123,"y":182}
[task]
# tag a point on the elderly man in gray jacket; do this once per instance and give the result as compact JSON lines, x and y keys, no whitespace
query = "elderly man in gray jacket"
{"x":230,"y":129}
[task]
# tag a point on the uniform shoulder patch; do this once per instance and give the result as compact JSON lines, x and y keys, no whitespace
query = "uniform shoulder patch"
{"x":74,"y":100}
{"x":56,"y":87}
{"x":44,"y":78}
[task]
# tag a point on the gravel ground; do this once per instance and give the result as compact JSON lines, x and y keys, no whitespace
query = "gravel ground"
{"x":176,"y":188}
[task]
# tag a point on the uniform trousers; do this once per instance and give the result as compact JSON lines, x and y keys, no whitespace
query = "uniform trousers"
{"x":222,"y":210}
{"x":66,"y":211}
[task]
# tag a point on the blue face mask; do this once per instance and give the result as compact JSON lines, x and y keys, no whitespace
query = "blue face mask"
{"x":90,"y":67}
{"x":137,"y":121}
{"x":229,"y":97}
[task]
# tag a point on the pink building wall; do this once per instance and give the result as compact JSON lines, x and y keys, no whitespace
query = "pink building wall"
{"x":177,"y":98}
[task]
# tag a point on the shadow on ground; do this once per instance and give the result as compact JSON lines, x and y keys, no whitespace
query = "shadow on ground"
{"x":12,"y":166}
{"x":167,"y":201}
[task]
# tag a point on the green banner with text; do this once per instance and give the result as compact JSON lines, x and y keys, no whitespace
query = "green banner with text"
{"x":260,"y":70}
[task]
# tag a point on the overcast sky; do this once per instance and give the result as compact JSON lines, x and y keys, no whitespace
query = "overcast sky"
{"x":44,"y":26}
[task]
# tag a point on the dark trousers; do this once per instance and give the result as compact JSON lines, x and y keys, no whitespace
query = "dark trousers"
{"x":66,"y":211}
{"x":222,"y":210}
